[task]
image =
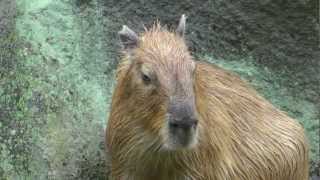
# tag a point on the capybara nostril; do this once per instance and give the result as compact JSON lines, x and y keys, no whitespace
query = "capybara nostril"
{"x":174,"y":125}
{"x":185,"y":123}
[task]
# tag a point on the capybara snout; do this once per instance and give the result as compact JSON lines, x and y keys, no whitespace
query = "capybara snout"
{"x":182,"y":115}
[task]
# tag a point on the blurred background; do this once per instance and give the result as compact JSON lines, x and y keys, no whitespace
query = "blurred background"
{"x":57,"y":62}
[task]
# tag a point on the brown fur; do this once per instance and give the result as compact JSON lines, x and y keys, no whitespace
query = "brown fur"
{"x":241,"y":135}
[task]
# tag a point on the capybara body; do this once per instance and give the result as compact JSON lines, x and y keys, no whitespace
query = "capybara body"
{"x":173,"y":118}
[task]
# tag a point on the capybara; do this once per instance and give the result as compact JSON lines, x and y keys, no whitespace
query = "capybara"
{"x":174,"y":118}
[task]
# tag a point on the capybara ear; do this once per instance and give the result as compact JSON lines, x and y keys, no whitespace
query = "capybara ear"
{"x":182,"y":26}
{"x":129,"y":39}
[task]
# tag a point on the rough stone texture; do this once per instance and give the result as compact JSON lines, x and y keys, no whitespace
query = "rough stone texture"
{"x":54,"y":97}
{"x":57,"y":60}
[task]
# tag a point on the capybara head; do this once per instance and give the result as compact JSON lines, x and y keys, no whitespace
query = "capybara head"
{"x":158,"y":83}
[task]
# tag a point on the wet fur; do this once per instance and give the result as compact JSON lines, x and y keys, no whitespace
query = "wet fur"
{"x":241,"y":135}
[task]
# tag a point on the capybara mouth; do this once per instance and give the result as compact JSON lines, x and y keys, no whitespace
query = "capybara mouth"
{"x":180,"y":138}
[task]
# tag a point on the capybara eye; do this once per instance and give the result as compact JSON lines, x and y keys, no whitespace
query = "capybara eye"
{"x":146,"y":79}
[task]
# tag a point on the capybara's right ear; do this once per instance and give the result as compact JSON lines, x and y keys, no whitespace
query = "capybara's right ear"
{"x":129,"y":39}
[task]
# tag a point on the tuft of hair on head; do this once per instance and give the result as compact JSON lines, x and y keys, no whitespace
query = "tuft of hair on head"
{"x":156,"y":27}
{"x":180,"y":30}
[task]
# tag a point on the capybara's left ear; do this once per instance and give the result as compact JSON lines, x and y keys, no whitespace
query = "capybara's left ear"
{"x":129,"y":39}
{"x":181,"y":29}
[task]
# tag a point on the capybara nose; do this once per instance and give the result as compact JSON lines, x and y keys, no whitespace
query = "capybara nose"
{"x":185,"y":123}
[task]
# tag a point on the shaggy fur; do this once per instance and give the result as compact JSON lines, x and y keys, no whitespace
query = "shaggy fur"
{"x":241,"y":136}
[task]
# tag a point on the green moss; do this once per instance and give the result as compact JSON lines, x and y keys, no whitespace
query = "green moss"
{"x":62,"y":107}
